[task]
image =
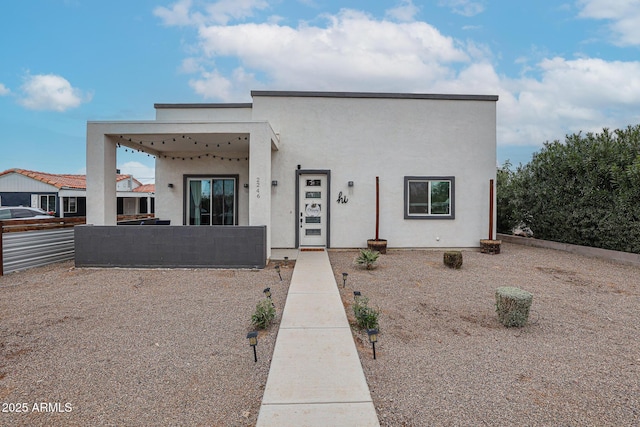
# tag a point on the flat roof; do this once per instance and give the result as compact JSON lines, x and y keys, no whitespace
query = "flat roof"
{"x":392,"y":95}
{"x":204,"y":105}
{"x":303,"y":94}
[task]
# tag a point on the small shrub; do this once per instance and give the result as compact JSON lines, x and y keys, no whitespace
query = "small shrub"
{"x":366,"y":317}
{"x":368,"y":258}
{"x":264,"y":314}
{"x":453,"y":259}
{"x":512,"y":306}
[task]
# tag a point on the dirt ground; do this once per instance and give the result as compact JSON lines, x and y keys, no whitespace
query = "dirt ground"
{"x":444,"y":359}
{"x":168,"y":347}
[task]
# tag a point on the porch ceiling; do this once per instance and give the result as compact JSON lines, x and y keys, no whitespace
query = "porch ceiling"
{"x":197,"y":143}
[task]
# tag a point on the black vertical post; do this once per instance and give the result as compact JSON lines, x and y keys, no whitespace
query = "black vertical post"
{"x":255,"y":355}
{"x":374,"y":350}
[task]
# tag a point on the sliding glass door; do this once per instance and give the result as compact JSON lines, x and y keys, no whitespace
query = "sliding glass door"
{"x":212,"y":201}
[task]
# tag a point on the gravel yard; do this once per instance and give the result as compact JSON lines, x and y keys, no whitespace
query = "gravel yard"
{"x":133,"y":347}
{"x":168,"y":347}
{"x":444,"y":359}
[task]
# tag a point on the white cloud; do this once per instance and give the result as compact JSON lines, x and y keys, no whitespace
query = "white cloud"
{"x":191,"y":65}
{"x":352,"y":52}
{"x":219,"y":12}
{"x":50,"y":92}
{"x":177,"y":15}
{"x":584,"y":94}
{"x":142,"y":173}
{"x":4,"y":90}
{"x":212,"y":85}
{"x":624,"y":17}
{"x":405,"y":12}
{"x":463,"y":7}
{"x":223,"y":11}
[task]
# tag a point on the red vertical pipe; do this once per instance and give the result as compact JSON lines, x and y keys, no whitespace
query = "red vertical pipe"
{"x":490,"y":209}
{"x":377,"y":205}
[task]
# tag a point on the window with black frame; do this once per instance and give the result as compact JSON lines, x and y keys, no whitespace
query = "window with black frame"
{"x":429,"y":197}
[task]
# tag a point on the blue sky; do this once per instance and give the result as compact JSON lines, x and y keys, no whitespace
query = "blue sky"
{"x":558,"y":67}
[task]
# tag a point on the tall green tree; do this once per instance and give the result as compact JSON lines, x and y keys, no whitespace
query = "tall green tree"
{"x":505,"y":200}
{"x":584,"y":191}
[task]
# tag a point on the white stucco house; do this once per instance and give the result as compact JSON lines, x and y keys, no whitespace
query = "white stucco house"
{"x":303,"y":166}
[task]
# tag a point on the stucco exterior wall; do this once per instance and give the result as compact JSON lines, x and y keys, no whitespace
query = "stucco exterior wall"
{"x":358,"y":139}
{"x":204,"y":112}
{"x":355,"y":138}
{"x":171,"y":202}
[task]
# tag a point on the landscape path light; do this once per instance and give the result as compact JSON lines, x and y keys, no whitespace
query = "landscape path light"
{"x":267,"y":292}
{"x":253,"y":342}
{"x":344,"y":279}
{"x":277,"y":267}
{"x":373,"y":338}
{"x":356,"y":294}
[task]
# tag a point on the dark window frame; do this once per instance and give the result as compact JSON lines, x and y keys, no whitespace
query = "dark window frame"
{"x":185,"y":195}
{"x":66,"y":204}
{"x":452,"y":198}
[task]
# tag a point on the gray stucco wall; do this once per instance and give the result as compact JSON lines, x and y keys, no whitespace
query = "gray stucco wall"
{"x":615,"y":256}
{"x":170,"y":246}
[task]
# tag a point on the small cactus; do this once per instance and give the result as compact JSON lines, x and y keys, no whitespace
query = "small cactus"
{"x":512,"y":306}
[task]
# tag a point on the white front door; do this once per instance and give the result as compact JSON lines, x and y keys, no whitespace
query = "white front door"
{"x":312,"y":210}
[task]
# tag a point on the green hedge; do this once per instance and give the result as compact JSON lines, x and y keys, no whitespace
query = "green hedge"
{"x":585,"y":191}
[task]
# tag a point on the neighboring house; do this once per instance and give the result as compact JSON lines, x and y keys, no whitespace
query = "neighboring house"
{"x":66,"y":195}
{"x":304,"y":165}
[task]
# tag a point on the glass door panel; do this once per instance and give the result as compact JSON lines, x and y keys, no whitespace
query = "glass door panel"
{"x":212,"y":201}
{"x":200,"y":202}
{"x":223,"y":201}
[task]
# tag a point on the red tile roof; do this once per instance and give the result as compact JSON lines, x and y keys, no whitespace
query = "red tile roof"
{"x":145,"y":188}
{"x":62,"y":180}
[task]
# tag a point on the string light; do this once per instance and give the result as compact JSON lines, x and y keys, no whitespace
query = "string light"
{"x":195,"y":142}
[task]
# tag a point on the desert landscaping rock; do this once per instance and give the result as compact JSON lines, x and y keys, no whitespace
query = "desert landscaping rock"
{"x":168,"y":347}
{"x":134,"y":347}
{"x":443,"y":358}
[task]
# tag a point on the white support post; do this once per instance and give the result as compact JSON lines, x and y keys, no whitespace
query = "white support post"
{"x":101,"y":177}
{"x":260,"y":181}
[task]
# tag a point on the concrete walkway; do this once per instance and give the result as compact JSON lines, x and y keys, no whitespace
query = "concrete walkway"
{"x":315,"y":378}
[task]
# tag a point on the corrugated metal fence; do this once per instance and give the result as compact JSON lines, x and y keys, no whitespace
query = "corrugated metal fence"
{"x":26,"y":249}
{"x":33,"y":243}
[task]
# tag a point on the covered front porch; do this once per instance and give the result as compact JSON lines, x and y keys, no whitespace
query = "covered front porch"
{"x":207,"y":175}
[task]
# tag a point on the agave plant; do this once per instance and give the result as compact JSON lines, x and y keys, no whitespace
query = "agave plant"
{"x":368,"y":258}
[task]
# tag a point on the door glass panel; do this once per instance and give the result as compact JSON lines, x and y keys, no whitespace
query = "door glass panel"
{"x":200,"y":202}
{"x":223,"y":201}
{"x":313,"y":183}
{"x":312,"y":231}
{"x":313,"y":194}
{"x":312,"y":220}
{"x":212,"y":201}
{"x":218,"y":202}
